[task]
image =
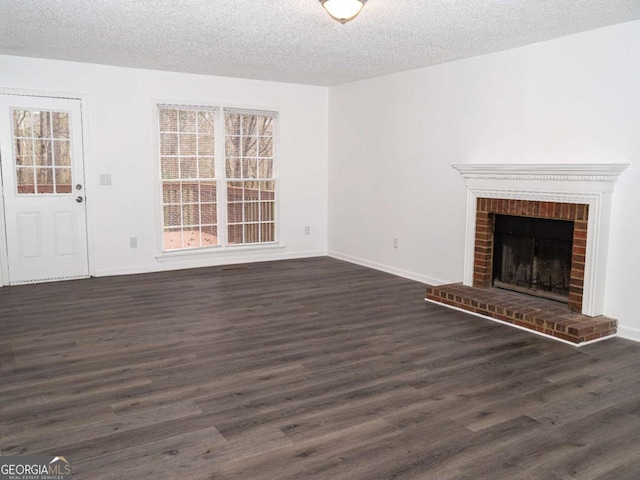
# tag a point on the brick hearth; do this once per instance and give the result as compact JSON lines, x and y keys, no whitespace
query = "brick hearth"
{"x":533,"y":313}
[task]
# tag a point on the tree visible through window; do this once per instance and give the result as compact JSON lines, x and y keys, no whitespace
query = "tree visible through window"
{"x":217,"y":193}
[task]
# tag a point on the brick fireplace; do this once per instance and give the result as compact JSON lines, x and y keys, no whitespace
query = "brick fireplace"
{"x":486,"y":210}
{"x":577,"y":193}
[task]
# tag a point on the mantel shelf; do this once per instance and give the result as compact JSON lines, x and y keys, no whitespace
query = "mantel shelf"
{"x":596,"y":172}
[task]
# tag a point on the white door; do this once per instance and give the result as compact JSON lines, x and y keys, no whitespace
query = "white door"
{"x":43,"y":189}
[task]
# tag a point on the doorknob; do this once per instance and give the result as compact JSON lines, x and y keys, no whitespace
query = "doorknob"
{"x":79,"y":199}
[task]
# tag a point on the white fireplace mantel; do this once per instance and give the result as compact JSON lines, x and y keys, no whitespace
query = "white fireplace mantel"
{"x":574,"y":172}
{"x":582,"y":183}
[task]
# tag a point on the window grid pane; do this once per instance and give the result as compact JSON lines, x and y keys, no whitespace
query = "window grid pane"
{"x":250,"y":177}
{"x":187,"y":169}
{"x":42,"y":151}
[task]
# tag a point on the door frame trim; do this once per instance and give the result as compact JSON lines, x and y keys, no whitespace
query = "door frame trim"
{"x":88,"y":171}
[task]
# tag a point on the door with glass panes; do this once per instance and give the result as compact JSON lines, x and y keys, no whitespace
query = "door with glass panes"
{"x":43,"y":189}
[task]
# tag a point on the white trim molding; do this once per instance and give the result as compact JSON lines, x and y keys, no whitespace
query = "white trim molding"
{"x":399,"y":272}
{"x":590,"y":184}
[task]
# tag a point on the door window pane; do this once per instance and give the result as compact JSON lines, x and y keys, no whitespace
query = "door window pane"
{"x":62,"y":152}
{"x":41,"y":124}
{"x":25,"y":178}
{"x":24,"y":151}
{"x":44,"y":180}
{"x":42,"y":140}
{"x":43,"y":152}
{"x":60,"y":124}
{"x":63,"y":180}
{"x":22,"y":123}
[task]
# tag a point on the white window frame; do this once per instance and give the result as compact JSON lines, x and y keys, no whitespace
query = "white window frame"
{"x":223,"y":248}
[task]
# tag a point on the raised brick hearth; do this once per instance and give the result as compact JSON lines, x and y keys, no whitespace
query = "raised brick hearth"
{"x":537,"y":314}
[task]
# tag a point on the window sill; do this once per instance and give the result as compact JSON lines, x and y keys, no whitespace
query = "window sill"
{"x":217,"y":252}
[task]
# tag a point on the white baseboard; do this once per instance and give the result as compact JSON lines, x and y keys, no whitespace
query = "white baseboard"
{"x":630,"y":333}
{"x":418,"y":277}
{"x":206,"y":262}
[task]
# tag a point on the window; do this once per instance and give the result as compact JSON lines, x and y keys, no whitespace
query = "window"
{"x":250,"y":176}
{"x":42,"y":151}
{"x":188,"y":171}
{"x":217,"y":190}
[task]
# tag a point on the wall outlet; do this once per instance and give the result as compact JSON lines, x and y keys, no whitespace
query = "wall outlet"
{"x":395,"y":243}
{"x":133,"y":242}
{"x":105,"y":179}
{"x":307,"y":230}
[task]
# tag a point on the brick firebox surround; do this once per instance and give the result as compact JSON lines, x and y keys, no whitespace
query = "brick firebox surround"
{"x":578,"y":192}
{"x":488,"y":208}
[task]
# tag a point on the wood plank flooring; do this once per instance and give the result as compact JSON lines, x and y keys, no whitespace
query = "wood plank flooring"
{"x":302,"y":369}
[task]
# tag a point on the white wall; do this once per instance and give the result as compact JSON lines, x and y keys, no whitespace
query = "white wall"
{"x":392,"y":141}
{"x":120,"y":107}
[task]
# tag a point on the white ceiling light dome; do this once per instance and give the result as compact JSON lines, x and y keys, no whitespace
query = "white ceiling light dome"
{"x":343,"y":10}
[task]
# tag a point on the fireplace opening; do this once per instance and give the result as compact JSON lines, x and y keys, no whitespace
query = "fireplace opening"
{"x":533,"y":256}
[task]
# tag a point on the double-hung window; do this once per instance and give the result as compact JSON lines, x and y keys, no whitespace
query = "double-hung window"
{"x":218,"y":175}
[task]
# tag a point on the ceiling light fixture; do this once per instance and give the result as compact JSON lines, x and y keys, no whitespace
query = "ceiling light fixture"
{"x":343,"y":10}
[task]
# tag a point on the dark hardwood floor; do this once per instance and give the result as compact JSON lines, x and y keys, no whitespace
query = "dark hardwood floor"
{"x":303,"y":369}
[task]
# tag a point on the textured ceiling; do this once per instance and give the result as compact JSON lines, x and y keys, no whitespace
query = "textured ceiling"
{"x":290,"y":40}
